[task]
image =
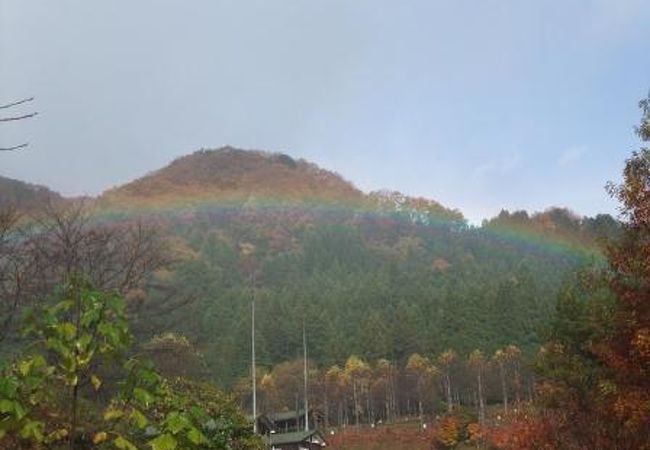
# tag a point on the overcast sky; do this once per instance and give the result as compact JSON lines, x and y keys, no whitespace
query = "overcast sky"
{"x":481,"y":104}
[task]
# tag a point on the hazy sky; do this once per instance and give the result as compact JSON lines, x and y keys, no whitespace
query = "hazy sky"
{"x":481,"y":104}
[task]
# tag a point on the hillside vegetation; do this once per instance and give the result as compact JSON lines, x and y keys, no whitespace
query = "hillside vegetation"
{"x":402,"y":302}
{"x":380,"y":275}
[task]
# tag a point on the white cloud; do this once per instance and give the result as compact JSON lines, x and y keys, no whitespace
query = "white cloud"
{"x":571,"y":155}
{"x":503,"y":165}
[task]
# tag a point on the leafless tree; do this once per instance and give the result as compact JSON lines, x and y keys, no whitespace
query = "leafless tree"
{"x":66,"y":241}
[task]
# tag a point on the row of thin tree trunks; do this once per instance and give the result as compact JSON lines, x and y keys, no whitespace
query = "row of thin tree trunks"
{"x":363,"y":409}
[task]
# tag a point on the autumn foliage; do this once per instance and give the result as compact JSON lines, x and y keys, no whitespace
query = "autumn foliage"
{"x":595,"y":387}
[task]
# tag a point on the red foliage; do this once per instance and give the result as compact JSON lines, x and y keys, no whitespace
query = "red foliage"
{"x":523,"y":434}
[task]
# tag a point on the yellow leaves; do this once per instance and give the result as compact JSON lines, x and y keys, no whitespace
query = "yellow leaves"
{"x":113,"y":414}
{"x":96,"y":382}
{"x":355,"y":366}
{"x":421,"y":367}
{"x":100,"y":437}
{"x":56,"y":435}
{"x":476,"y":359}
{"x":267,"y":382}
{"x":72,"y":379}
{"x":513,"y":352}
{"x":499,"y":356}
{"x":447,"y":358}
{"x":417,"y":363}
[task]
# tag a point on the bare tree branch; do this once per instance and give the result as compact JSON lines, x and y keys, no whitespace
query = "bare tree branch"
{"x":40,"y":254}
{"x":15,"y":118}
{"x":24,"y":116}
{"x":15,"y":147}
{"x":19,"y":102}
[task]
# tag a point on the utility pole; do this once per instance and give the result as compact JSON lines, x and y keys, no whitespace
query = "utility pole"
{"x":304,"y":348}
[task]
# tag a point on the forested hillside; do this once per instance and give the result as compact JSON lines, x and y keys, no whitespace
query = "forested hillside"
{"x":25,"y":196}
{"x":395,"y":294}
{"x":379,"y":275}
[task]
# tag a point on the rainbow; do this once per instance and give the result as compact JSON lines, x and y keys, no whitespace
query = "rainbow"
{"x":435,"y":216}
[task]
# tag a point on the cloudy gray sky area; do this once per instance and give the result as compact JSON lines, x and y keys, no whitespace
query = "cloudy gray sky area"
{"x":481,"y":105}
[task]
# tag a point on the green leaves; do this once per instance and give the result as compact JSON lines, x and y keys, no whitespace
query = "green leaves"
{"x":143,"y":397}
{"x":196,"y":437}
{"x":112,"y":413}
{"x":32,"y":430}
{"x":123,"y":444}
{"x":176,"y":422}
{"x":138,"y":419}
{"x":8,"y":386}
{"x":13,"y":408}
{"x":163,"y":442}
{"x":20,"y":390}
{"x":81,"y":334}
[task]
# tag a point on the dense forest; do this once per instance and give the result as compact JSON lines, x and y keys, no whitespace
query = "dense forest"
{"x":139,"y":301}
{"x":381,"y":276}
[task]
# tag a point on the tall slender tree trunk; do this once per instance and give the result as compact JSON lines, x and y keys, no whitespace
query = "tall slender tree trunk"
{"x":420,"y":409}
{"x":327,"y":407}
{"x":356,"y":403}
{"x":387,"y":399}
{"x":481,"y":401}
{"x":504,"y":388}
{"x":450,"y":401}
{"x":517,"y":384}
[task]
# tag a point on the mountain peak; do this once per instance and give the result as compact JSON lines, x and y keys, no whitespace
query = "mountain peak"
{"x":234,"y":173}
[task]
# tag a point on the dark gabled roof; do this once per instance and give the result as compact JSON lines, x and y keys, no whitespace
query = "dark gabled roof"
{"x":287,"y":415}
{"x":292,"y":438}
{"x":293,"y":415}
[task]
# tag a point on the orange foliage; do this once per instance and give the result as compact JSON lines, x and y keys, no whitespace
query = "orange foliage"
{"x":449,"y":431}
{"x":523,"y":434}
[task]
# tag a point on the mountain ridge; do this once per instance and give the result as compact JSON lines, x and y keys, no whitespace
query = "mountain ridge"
{"x":231,"y":173}
{"x":25,"y":196}
{"x":254,"y":177}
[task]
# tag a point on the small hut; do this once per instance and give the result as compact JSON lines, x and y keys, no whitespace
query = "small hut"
{"x":297,"y":440}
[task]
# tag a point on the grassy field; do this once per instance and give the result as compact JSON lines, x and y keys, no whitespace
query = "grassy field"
{"x":401,"y":436}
